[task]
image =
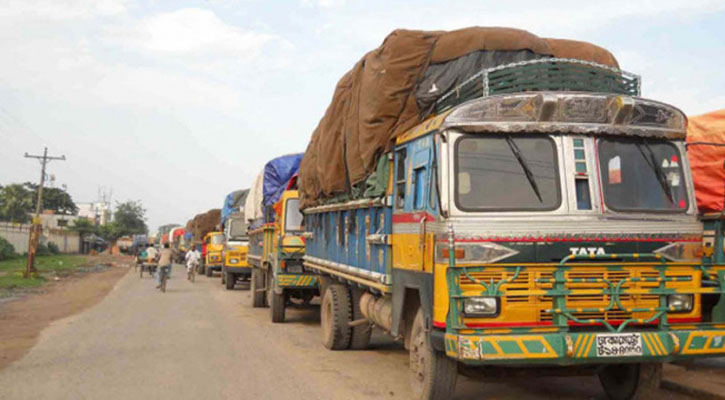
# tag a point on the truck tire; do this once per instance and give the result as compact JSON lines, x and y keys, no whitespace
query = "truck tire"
{"x":277,"y":306}
{"x":360,"y":337}
{"x":631,"y":381}
{"x":257,"y":283}
{"x":209,"y":272}
{"x":229,"y":280}
{"x":335,"y":316}
{"x":433,"y":374}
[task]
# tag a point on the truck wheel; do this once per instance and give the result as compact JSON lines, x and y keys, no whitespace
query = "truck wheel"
{"x":277,"y":305}
{"x":255,"y":286}
{"x":631,"y":381}
{"x":433,"y":374}
{"x":360,"y":338}
{"x":335,"y":314}
{"x":229,"y":280}
{"x":209,"y":272}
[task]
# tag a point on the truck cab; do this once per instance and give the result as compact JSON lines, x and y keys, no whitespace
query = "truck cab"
{"x":236,"y":247}
{"x":276,"y":251}
{"x":213,"y":259}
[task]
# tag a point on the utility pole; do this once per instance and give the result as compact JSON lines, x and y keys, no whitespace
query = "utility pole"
{"x":36,"y":227}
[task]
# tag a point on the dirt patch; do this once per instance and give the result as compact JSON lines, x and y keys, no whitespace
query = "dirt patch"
{"x":22,"y":320}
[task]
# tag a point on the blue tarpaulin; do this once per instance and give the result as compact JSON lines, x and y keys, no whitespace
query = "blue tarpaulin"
{"x":232,"y":202}
{"x":276,"y":175}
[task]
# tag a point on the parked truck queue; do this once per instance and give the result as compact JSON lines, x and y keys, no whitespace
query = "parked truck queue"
{"x":524,"y":208}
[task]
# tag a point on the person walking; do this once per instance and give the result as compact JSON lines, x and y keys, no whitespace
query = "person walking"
{"x":165,"y":262}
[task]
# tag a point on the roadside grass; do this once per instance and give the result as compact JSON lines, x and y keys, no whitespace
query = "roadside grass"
{"x":11,"y":271}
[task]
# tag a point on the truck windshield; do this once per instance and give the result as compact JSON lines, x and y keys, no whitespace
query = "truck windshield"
{"x":642,"y":175}
{"x":217,"y":239}
{"x":293,"y":216}
{"x":496,"y":173}
{"x":237,"y":229}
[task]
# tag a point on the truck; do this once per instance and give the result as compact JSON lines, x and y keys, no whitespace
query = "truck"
{"x":276,"y":246}
{"x":541,"y":218}
{"x":213,"y":246}
{"x":236,"y":242}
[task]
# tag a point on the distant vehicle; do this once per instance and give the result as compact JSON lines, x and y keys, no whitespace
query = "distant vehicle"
{"x":214,"y":245}
{"x":236,"y":248}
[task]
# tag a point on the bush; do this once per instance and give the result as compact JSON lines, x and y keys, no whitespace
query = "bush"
{"x":53,"y":248}
{"x":43,"y":250}
{"x":7,"y":251}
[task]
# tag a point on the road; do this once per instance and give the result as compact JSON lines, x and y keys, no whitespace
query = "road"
{"x":199,"y":341}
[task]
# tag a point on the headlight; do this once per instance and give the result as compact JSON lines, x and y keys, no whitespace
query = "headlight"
{"x":481,"y":307}
{"x":474,"y":253}
{"x":680,"y":302}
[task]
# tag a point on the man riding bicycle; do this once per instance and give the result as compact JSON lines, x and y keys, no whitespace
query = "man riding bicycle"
{"x":165,"y":260}
{"x":192,"y":260}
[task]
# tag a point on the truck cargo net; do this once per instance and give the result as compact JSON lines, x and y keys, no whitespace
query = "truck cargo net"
{"x":546,"y":74}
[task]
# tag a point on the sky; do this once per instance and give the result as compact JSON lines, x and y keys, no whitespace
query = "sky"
{"x":177,"y":103}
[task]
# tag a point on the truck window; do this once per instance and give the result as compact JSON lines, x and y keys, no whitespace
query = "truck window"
{"x":491,"y":173}
{"x":419,"y":190}
{"x":217,"y":239}
{"x":293,"y":216}
{"x":642,"y":175}
{"x":400,"y":156}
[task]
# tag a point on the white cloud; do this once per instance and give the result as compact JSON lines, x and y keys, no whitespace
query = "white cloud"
{"x":324,"y":3}
{"x":195,"y":30}
{"x":59,"y":10}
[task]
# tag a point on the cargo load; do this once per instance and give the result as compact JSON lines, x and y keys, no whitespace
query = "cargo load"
{"x":706,"y":152}
{"x":269,"y":185}
{"x":398,"y":85}
{"x":204,"y":223}
{"x":232,"y":203}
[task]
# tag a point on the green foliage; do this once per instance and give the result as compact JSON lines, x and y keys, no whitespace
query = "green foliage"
{"x":11,"y":271}
{"x":7,"y":251}
{"x":54,"y":199}
{"x":53,"y":248}
{"x":16,"y":201}
{"x":110,"y":231}
{"x":43,"y":250}
{"x":130,"y":218}
{"x":84,"y":226}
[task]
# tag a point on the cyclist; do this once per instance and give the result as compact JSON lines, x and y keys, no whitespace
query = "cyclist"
{"x":165,"y":261}
{"x":192,"y":260}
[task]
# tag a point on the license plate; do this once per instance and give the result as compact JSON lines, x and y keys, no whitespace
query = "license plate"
{"x":619,"y":345}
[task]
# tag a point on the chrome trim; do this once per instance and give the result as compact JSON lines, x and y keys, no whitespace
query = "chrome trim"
{"x":349,"y":269}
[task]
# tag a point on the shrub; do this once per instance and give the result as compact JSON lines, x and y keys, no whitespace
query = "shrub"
{"x":7,"y":250}
{"x":43,"y":250}
{"x":53,"y":248}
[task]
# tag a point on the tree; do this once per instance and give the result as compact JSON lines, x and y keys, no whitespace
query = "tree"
{"x":110,"y":232}
{"x":130,"y":218}
{"x":54,"y":199}
{"x":84,"y":226}
{"x":16,"y":202}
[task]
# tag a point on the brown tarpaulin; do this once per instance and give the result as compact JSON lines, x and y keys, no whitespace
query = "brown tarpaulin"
{"x":375,"y":102}
{"x":203,"y":223}
{"x":706,"y":152}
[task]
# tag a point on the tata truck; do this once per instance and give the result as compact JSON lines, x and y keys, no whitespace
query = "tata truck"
{"x":276,"y":246}
{"x":235,"y":265}
{"x":213,"y":244}
{"x":540,"y":219}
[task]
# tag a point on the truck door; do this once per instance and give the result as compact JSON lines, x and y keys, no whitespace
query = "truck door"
{"x":411,"y":213}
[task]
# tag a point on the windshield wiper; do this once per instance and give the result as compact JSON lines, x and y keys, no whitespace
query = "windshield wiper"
{"x":529,"y":175}
{"x":659,"y":173}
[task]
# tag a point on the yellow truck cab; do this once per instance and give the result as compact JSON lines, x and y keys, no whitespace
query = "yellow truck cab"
{"x":214,"y":245}
{"x":236,"y":247}
{"x":276,"y":251}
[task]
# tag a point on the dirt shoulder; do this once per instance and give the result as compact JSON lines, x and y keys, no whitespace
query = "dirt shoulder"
{"x":22,"y":320}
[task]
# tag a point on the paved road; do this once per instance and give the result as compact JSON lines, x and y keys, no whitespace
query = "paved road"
{"x":198,"y":341}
